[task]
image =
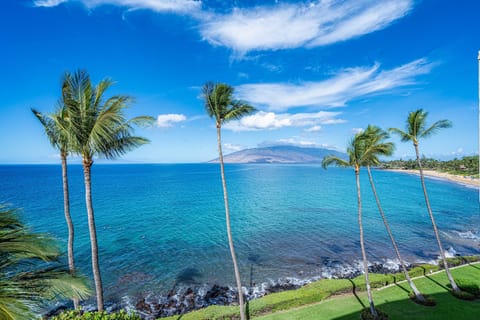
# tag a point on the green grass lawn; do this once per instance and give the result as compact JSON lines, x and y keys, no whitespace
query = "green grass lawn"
{"x":315,"y":301}
{"x":395,"y":302}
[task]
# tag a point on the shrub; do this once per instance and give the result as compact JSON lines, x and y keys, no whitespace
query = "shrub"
{"x":468,"y":286}
{"x":457,"y":261}
{"x":366,"y":315}
{"x":429,"y":301}
{"x":80,"y":315}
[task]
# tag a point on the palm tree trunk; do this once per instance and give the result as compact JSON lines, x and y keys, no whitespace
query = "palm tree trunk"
{"x":362,"y":245}
{"x":68,"y":219}
{"x":229,"y":231}
{"x":87,"y":165}
{"x":417,"y":293}
{"x":430,"y":213}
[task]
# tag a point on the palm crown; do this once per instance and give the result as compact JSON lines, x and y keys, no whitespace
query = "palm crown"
{"x":416,"y":127}
{"x":99,"y":127}
{"x":220,"y":104}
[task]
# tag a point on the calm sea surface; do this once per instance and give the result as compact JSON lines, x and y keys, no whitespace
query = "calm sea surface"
{"x":163,"y":226}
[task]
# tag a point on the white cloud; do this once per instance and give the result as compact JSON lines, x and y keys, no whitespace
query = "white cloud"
{"x":356,"y":130}
{"x":315,"y":128}
{"x":155,"y":5}
{"x":296,"y":142}
{"x":270,"y":120}
{"x":48,"y":3}
{"x":232,"y":147}
{"x":299,"y":142}
{"x":167,"y":120}
{"x":299,"y":25}
{"x":347,"y":85}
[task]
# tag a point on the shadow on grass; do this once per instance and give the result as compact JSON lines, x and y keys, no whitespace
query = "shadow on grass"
{"x":474,"y":266}
{"x":447,"y":308}
{"x":354,"y":291}
{"x":436,"y":282}
{"x":402,"y":287}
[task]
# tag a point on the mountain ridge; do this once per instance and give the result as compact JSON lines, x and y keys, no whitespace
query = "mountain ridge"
{"x":280,"y":154}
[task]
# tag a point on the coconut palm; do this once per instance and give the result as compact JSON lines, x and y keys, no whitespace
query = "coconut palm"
{"x":416,"y":128}
{"x":56,"y":129}
{"x":358,"y":156}
{"x":220,"y":105}
{"x":376,"y":146}
{"x":30,"y":274}
{"x":98,"y":127}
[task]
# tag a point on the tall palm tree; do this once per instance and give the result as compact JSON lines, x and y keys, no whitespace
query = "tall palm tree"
{"x":357,"y":157}
{"x":220,"y":105}
{"x":376,"y":146}
{"x":416,"y":128}
{"x":98,"y":127}
{"x":29,"y":271}
{"x":56,"y":128}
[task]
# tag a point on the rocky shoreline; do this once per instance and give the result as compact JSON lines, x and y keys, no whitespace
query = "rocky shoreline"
{"x":191,"y":298}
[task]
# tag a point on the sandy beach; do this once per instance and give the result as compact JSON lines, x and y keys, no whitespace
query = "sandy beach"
{"x":464,"y":180}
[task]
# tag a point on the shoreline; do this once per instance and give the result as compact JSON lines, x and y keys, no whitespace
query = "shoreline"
{"x":463,"y":180}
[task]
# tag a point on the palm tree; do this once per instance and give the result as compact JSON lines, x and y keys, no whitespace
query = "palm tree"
{"x":416,"y":128}
{"x":357,"y":157}
{"x":98,"y":128}
{"x":56,"y":128}
{"x":29,"y":271}
{"x":376,"y":146}
{"x":221,"y":106}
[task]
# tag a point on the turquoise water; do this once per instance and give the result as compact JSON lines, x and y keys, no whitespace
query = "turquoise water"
{"x":162,"y":227}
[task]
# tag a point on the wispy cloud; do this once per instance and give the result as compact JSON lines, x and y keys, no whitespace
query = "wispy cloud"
{"x":301,"y":25}
{"x":233,"y":147}
{"x":315,"y":128}
{"x":270,"y":120}
{"x":155,"y":5}
{"x":299,"y":142}
{"x":346,"y":85}
{"x":168,"y":120}
{"x":48,"y":3}
{"x":356,"y":130}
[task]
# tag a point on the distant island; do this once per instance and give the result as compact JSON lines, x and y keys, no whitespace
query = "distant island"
{"x":280,"y":154}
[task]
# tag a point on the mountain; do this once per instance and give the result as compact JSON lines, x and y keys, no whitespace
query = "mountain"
{"x":280,"y":154}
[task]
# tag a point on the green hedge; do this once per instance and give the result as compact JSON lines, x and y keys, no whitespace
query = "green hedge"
{"x":80,"y":315}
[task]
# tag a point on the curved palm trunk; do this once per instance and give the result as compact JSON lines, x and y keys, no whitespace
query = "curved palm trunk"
{"x":68,"y":219}
{"x":229,"y":231}
{"x":362,"y":245}
{"x":87,"y":165}
{"x":430,"y":213}
{"x":417,"y":293}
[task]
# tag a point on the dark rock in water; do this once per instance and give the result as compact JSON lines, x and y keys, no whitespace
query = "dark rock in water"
{"x":57,"y":311}
{"x":378,"y":268}
{"x":287,"y":285}
{"x":143,"y":307}
{"x":217,"y":295}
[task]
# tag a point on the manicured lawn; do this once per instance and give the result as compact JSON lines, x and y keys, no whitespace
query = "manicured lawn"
{"x":313,"y":302}
{"x":394,"y":301}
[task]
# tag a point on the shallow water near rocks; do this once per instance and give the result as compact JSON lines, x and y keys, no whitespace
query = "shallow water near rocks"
{"x":161,"y":228}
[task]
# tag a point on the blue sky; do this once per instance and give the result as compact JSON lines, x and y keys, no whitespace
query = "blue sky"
{"x":317,"y":71}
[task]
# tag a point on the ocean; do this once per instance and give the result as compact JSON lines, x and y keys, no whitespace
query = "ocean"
{"x":161,"y":227}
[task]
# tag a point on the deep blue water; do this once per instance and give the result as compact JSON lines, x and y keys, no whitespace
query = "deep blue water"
{"x":163,"y":226}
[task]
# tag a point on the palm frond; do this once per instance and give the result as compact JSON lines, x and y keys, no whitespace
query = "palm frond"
{"x":404,"y":137}
{"x":441,"y":124}
{"x":333,"y":160}
{"x":238,"y":110}
{"x":30,"y":274}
